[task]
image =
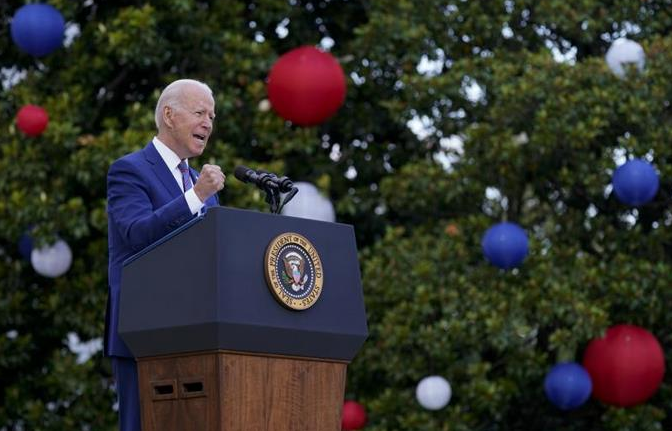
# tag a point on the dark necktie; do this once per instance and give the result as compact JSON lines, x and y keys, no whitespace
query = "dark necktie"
{"x":186,"y":178}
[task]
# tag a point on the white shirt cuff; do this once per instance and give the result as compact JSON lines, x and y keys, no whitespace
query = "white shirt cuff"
{"x":193,"y":201}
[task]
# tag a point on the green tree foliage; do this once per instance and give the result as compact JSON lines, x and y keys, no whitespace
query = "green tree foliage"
{"x":521,"y":84}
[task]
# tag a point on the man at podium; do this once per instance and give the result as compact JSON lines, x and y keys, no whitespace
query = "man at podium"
{"x":150,"y":193}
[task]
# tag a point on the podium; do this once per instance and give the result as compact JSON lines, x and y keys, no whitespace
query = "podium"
{"x":221,"y":346}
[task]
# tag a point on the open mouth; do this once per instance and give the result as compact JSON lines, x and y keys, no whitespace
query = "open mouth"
{"x":199,"y":137}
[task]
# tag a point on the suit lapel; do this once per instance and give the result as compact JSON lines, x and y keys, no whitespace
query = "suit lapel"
{"x":161,"y":170}
{"x":166,"y":177}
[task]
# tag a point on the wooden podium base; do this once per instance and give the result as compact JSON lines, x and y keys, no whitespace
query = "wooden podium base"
{"x":225,"y":391}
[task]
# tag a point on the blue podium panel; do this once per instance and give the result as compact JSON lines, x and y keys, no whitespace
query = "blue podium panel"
{"x":204,"y":288}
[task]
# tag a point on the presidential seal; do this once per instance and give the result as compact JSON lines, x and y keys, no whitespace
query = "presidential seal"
{"x":293,"y":271}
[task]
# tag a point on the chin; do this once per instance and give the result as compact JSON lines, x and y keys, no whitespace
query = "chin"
{"x":197,"y":150}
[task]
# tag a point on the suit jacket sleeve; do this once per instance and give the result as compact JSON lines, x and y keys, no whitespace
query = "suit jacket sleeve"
{"x":131,"y":207}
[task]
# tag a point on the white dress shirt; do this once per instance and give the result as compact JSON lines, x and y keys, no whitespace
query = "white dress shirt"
{"x":172,"y":160}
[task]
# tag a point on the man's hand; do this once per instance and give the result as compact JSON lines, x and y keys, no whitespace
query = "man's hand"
{"x":210,"y":181}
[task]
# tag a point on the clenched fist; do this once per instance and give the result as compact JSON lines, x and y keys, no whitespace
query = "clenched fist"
{"x":210,"y":181}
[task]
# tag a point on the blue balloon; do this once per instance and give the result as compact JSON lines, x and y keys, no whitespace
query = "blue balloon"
{"x":26,"y":246}
{"x":505,"y":245}
{"x":568,"y":385}
{"x":635,"y":182}
{"x":38,"y":29}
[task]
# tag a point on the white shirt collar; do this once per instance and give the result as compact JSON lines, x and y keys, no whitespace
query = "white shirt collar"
{"x":169,"y":157}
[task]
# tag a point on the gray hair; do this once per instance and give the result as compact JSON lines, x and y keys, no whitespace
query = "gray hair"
{"x":171,"y":95}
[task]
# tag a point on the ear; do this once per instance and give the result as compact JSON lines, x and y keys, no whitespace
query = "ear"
{"x":168,"y":114}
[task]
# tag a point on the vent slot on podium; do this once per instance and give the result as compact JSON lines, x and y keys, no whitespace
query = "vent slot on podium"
{"x":192,"y":387}
{"x":164,"y":390}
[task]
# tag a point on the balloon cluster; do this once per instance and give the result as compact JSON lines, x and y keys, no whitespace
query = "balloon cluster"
{"x":432,"y":393}
{"x":306,"y":86}
{"x":635,"y":183}
{"x":37,"y":29}
{"x":624,"y":368}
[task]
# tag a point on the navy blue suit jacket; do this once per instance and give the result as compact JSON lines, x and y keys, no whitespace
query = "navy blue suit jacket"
{"x":144,"y":203}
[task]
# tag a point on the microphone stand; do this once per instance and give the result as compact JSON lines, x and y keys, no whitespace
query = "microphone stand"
{"x":273,"y":197}
{"x":288,"y":197}
{"x":273,"y":192}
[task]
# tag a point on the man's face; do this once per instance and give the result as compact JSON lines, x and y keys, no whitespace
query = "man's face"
{"x":192,"y":122}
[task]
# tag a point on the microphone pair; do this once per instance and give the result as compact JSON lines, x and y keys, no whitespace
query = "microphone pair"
{"x":270,"y":183}
{"x":263,"y":179}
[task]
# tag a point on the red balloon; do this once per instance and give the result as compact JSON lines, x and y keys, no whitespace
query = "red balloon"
{"x":354,"y":416}
{"x":626,"y":365}
{"x":306,"y":86}
{"x":32,"y":120}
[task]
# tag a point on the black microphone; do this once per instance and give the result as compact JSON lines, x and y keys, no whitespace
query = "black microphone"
{"x":285,"y":185}
{"x":263,"y":181}
{"x":270,"y":183}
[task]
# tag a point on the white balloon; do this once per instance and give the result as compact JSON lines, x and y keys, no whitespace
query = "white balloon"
{"x":624,"y":51}
{"x":52,"y":261}
{"x":309,"y":203}
{"x":264,"y":105}
{"x":433,"y":392}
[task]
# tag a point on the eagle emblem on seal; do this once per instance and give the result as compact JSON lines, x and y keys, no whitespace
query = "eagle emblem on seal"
{"x":294,"y":269}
